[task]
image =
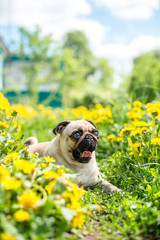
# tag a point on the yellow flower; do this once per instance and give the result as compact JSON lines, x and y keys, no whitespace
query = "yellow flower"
{"x":137,"y":109}
{"x":44,"y":165}
{"x":1,"y":95}
{"x":10,"y":141}
{"x":49,"y":186}
{"x":155,"y":141}
{"x":100,"y":119}
{"x":136,"y":146}
{"x":110,"y":121}
{"x":19,"y":126}
{"x":137,"y":131}
{"x":157,"y":104}
{"x":154,"y":110}
{"x":148,"y":105}
{"x":131,"y":153}
{"x":139,"y":123}
{"x":4,"y":104}
{"x":25,"y":111}
{"x":99,"y":106}
{"x":6,"y":236}
{"x":47,"y":111}
{"x":49,"y":159}
{"x":126,"y":131}
{"x":50,"y":174}
{"x":21,"y":216}
{"x":29,"y":199}
{"x":118,"y":139}
{"x":4,"y":125}
{"x":54,"y":175}
{"x":78,"y":220}
{"x":12,"y":156}
{"x":137,"y":104}
{"x":15,"y":111}
{"x":110,"y":137}
{"x":74,"y":197}
{"x":4,"y":173}
{"x":24,"y":165}
{"x":12,"y":184}
{"x":134,"y":115}
{"x":60,"y":172}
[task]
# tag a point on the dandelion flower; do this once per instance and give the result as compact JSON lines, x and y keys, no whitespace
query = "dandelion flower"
{"x":24,"y":165}
{"x":110,"y":137}
{"x":21,"y":216}
{"x":154,"y":110}
{"x":6,"y":236}
{"x":126,"y":131}
{"x":12,"y":184}
{"x":4,"y":125}
{"x":137,"y":104}
{"x":155,"y":141}
{"x":29,"y":199}
{"x":12,"y":156}
{"x":78,"y":220}
{"x":140,"y":123}
{"x":49,"y":186}
{"x":134,"y":115}
{"x":4,"y":173}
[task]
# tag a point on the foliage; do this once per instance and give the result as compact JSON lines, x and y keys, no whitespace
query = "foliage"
{"x":127,"y":155}
{"x":144,"y":80}
{"x":69,"y":73}
{"x":37,"y":200}
{"x":79,"y":44}
{"x":69,"y":69}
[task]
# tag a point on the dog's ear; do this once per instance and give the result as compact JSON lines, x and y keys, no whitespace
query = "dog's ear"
{"x":91,"y":123}
{"x":60,"y":127}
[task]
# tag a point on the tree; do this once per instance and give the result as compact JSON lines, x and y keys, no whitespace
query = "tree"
{"x":77,"y":41}
{"x":144,"y":80}
{"x":69,"y":73}
{"x":94,"y":73}
{"x":35,"y":47}
{"x":71,"y":67}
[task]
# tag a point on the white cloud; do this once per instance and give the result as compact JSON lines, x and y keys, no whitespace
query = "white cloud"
{"x":121,"y":55}
{"x":93,"y":30}
{"x":130,"y":9}
{"x":53,"y":16}
{"x":31,"y":12}
{"x":60,"y":16}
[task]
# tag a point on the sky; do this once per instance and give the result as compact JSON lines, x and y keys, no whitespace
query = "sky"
{"x":118,"y":30}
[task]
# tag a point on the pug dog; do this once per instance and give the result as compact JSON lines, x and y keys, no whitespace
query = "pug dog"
{"x":74,"y":147}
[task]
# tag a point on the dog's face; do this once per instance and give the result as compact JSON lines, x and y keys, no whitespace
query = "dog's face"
{"x":78,"y":139}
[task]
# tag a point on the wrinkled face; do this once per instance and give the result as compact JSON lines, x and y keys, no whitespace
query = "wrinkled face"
{"x":79,"y":140}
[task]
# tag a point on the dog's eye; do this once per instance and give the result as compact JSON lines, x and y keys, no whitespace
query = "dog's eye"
{"x":76,"y":135}
{"x":96,"y":133}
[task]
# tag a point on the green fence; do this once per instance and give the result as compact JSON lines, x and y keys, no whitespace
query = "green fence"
{"x":47,"y":98}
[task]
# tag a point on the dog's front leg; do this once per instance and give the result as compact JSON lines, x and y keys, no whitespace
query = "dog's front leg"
{"x":108,"y":187}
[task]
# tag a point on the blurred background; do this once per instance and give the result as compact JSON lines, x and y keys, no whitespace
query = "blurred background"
{"x":66,"y":53}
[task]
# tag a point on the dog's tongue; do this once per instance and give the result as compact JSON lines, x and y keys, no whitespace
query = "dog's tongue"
{"x":86,"y":154}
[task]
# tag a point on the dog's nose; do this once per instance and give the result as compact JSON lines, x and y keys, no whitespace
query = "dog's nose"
{"x":89,"y":140}
{"x":89,"y":137}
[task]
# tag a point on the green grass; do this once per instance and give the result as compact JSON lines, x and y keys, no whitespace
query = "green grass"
{"x":134,"y":213}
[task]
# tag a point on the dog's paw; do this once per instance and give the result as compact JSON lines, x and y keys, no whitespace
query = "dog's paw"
{"x":108,"y":187}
